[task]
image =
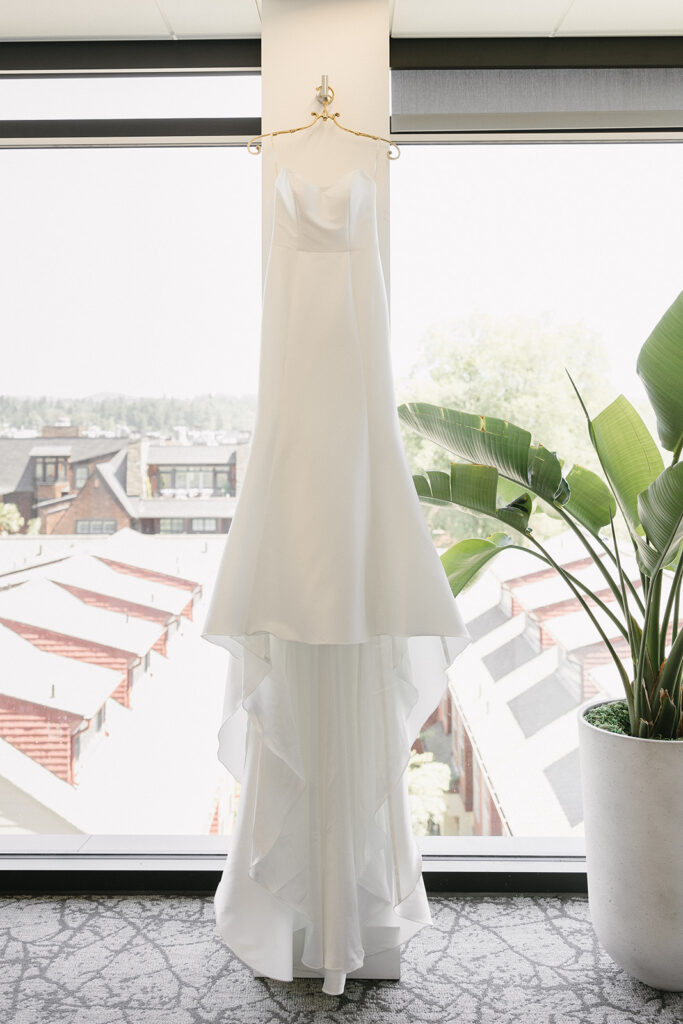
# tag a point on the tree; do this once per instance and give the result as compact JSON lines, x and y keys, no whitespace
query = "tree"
{"x":428,"y":781}
{"x":10,"y":519}
{"x":513,"y":368}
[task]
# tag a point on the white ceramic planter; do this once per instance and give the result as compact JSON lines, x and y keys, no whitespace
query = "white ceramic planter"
{"x":633,"y":814}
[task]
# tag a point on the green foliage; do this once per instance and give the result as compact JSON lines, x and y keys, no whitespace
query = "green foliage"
{"x":491,"y":363}
{"x":636,"y":482}
{"x":475,"y":488}
{"x":428,"y":781}
{"x":464,"y":561}
{"x":10,"y":520}
{"x":660,"y":367}
{"x":612,"y":717}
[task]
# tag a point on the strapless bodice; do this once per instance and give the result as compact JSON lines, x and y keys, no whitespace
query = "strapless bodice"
{"x":325,"y":218}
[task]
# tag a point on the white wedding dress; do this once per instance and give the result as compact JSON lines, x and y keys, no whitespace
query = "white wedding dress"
{"x":333,"y":605}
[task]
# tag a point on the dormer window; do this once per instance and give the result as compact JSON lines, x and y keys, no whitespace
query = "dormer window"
{"x":50,"y":468}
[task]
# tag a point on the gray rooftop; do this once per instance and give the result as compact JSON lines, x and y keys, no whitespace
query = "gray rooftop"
{"x":15,"y":456}
{"x":190,"y":454}
{"x":114,"y":474}
{"x":541,"y":704}
{"x":171,"y":508}
{"x":50,"y":449}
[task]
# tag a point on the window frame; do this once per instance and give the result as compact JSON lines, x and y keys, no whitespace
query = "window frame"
{"x":111,"y":523}
{"x":73,"y":863}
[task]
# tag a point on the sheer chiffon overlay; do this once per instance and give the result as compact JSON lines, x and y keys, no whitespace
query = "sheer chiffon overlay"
{"x":333,"y":605}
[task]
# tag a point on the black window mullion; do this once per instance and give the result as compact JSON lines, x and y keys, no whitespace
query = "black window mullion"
{"x":129,"y":55}
{"x":223,"y":127}
{"x":557,"y":52}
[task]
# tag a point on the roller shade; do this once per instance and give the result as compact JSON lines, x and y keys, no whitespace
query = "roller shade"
{"x":462,"y":100}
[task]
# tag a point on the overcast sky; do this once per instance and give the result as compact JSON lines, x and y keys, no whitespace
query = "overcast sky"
{"x":139,"y":270}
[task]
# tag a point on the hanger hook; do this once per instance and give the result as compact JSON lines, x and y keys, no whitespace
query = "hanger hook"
{"x":325,"y":97}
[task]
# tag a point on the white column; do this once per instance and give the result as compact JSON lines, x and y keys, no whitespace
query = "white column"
{"x":347,"y":40}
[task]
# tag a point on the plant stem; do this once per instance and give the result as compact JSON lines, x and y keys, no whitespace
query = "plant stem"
{"x":617,"y":660}
{"x":629,"y":620}
{"x":611,"y":582}
{"x":594,"y":597}
{"x":677,"y":451}
{"x":577,"y":582}
{"x":634,"y":593}
{"x":654,"y":638}
{"x":673,"y":600}
{"x":640,"y":665}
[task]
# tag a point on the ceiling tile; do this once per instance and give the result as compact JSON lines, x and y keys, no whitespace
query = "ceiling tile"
{"x":477,"y":17}
{"x":81,"y":19}
{"x":623,"y":17}
{"x":205,"y":19}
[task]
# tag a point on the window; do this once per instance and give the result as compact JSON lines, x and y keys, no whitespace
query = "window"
{"x":50,"y":469}
{"x":204,"y":525}
{"x":95,"y":526}
{"x":213,"y":479}
{"x":81,"y":474}
{"x":529,"y":251}
{"x":510,"y":264}
{"x":171,"y":525}
{"x":122,"y":96}
{"x":126,"y":276}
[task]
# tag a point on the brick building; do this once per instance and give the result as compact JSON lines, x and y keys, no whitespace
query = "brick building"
{"x":81,"y":485}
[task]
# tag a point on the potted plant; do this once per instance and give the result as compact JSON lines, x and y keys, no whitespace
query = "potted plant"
{"x":631,"y":750}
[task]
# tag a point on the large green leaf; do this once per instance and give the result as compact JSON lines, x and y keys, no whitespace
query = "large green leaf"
{"x":465,"y":559}
{"x":434,"y":488}
{"x":629,"y":456}
{"x":590,"y":500}
{"x":491,"y":442}
{"x":660,"y":508}
{"x":474,"y":488}
{"x":660,"y":367}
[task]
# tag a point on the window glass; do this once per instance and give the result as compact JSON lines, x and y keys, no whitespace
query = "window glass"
{"x":511,"y":265}
{"x":221,"y":94}
{"x":130,"y":285}
{"x":171,"y":525}
{"x":204,"y":525}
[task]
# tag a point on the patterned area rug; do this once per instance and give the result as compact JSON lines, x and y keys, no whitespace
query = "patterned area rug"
{"x":159,"y":960}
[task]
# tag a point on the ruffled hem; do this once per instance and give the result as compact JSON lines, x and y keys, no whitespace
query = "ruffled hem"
{"x":323,"y":857}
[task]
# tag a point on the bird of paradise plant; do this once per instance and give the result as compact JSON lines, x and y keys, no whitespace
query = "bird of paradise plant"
{"x":503,"y":472}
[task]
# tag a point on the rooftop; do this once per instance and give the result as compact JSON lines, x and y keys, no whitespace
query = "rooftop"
{"x":170,"y":508}
{"x":46,"y":605}
{"x":190,"y":454}
{"x":52,"y":680}
{"x":92,"y":573}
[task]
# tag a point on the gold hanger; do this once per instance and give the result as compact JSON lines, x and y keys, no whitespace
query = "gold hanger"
{"x":326,"y":97}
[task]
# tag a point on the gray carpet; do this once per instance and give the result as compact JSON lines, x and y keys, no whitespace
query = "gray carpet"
{"x":158,"y":960}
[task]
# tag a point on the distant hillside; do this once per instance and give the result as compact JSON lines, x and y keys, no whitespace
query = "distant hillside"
{"x":108,"y":412}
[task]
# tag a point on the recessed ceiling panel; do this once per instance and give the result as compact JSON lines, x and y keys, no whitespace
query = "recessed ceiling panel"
{"x":206,"y":19}
{"x":478,"y":17}
{"x":623,"y":17}
{"x":81,"y":19}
